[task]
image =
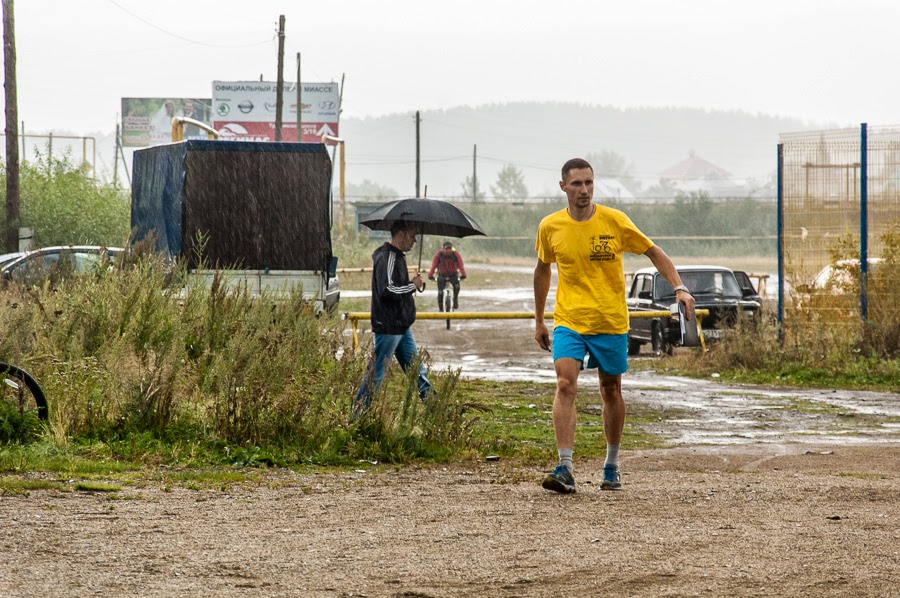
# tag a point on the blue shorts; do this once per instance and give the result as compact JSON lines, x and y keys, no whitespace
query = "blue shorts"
{"x":609,"y":352}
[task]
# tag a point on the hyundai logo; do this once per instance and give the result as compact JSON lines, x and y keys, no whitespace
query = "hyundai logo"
{"x":327,"y":105}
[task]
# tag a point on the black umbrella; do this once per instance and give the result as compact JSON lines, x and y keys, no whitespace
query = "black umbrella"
{"x":430,"y":216}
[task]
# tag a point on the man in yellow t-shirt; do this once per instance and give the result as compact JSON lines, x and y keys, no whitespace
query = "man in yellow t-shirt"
{"x":587,"y":241}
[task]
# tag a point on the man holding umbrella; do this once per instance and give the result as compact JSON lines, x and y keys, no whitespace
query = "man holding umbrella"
{"x":393,"y":313}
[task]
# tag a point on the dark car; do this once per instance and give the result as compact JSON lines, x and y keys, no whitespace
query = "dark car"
{"x":728,"y":295}
{"x":52,"y":263}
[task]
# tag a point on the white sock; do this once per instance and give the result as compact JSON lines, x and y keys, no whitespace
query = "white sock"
{"x":612,"y":455}
{"x":565,"y":458}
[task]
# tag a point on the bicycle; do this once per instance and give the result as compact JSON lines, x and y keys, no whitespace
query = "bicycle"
{"x":448,"y":294}
{"x":448,"y":305}
{"x":19,"y":388}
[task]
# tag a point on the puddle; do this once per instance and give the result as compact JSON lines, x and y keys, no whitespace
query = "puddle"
{"x":708,"y":412}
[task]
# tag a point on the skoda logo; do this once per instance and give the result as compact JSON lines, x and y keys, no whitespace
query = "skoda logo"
{"x":246,"y":106}
{"x":223,"y":109}
{"x":327,"y":105}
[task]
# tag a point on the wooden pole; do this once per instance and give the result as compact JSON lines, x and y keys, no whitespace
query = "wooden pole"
{"x":418,"y":120}
{"x":474,"y":174}
{"x":116,"y":160}
{"x":299,"y":103}
{"x":279,"y":92}
{"x":124,"y":163}
{"x":12,"y":128}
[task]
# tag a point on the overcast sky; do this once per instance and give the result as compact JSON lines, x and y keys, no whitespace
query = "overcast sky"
{"x":825,"y":61}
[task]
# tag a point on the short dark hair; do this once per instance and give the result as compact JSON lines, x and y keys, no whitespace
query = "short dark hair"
{"x":448,"y":245}
{"x":400,"y":226}
{"x":574,"y":164}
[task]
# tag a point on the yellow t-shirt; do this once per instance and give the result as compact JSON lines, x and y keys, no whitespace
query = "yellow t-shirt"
{"x":590,"y":292}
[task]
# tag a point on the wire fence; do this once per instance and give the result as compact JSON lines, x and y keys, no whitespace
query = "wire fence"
{"x":839,"y":217}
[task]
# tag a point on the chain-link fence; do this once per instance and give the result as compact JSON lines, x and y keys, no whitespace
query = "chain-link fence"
{"x":839,"y":223}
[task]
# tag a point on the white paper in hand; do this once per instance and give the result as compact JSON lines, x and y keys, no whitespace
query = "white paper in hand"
{"x":690,"y":332}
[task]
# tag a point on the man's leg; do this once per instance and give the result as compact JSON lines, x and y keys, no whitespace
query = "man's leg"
{"x":613,"y":425}
{"x":562,"y":480}
{"x":385,"y":346}
{"x":407,"y":352}
{"x":456,"y":293}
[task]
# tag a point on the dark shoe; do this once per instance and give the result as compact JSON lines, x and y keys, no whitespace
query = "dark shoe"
{"x":561,"y":480}
{"x":456,"y":305}
{"x":612,"y":479}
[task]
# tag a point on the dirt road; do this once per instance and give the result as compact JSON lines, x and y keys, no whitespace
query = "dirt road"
{"x":754,"y":520}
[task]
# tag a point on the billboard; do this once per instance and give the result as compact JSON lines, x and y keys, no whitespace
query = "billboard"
{"x":245,"y":110}
{"x":148,"y":121}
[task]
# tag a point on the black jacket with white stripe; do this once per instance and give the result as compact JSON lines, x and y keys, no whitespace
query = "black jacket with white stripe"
{"x":393,"y":302}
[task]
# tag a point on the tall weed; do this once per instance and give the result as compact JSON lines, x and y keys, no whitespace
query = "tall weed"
{"x":122,"y":354}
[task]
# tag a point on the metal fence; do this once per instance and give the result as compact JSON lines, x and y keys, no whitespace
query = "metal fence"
{"x":838,"y":221}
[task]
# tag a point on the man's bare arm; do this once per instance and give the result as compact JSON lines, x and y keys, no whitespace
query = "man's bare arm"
{"x":666,"y":267}
{"x":541,"y":289}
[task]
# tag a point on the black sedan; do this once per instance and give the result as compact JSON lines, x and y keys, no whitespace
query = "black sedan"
{"x":715,"y":288}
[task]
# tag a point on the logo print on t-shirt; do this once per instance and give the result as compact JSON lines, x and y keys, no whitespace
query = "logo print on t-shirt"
{"x":600,"y":249}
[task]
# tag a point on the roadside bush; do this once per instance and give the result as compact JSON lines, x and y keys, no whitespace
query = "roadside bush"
{"x":824,"y":340}
{"x":65,"y":207}
{"x":203,"y":370}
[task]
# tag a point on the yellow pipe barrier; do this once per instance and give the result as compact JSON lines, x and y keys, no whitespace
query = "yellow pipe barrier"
{"x":178,"y":123}
{"x":356,"y":316}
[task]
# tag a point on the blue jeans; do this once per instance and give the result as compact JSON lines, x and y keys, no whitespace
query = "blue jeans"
{"x":386,"y":346}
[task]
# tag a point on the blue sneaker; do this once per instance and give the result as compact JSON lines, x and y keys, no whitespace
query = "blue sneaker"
{"x":612,"y":479}
{"x":561,"y":480}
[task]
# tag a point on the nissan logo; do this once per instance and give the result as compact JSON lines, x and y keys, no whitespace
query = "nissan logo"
{"x":246,"y":106}
{"x":327,"y":105}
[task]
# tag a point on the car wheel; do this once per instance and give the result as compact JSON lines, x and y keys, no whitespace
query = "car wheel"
{"x":634,"y":347}
{"x":660,"y":345}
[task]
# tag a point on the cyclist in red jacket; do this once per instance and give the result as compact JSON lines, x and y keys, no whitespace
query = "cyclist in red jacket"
{"x":449,"y":266}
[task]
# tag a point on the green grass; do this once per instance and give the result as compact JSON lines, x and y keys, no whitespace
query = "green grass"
{"x":519,"y":423}
{"x":513,"y":420}
{"x":16,"y":487}
{"x":97,"y":487}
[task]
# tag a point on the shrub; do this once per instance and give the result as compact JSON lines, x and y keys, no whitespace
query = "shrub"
{"x":121,"y":355}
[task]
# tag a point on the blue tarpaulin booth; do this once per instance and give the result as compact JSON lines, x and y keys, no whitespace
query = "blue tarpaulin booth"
{"x":244,"y":204}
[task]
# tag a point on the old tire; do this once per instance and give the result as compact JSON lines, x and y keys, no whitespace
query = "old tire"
{"x":660,"y":345}
{"x":18,"y":387}
{"x":634,"y":347}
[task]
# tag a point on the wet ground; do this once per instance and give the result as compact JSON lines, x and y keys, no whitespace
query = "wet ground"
{"x":766,"y":492}
{"x":709,"y":412}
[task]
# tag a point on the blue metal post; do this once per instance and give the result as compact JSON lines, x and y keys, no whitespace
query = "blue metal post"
{"x":780,"y":242}
{"x":864,"y":223}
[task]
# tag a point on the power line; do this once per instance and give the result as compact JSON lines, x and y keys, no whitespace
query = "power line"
{"x":182,"y":38}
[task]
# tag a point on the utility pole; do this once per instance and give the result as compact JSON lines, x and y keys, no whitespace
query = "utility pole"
{"x":116,"y":159}
{"x":124,"y":162}
{"x":299,"y":103}
{"x":474,"y":173}
{"x":279,"y":94}
{"x":12,"y":129}
{"x":418,"y":120}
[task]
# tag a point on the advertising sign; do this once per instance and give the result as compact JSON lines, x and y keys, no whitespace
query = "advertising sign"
{"x":245,"y":110}
{"x":148,"y":121}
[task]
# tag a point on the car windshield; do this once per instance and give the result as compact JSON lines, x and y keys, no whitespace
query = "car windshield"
{"x":701,"y":282}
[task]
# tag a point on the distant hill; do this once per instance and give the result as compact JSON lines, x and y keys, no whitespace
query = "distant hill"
{"x":535,"y":137}
{"x":538,"y":137}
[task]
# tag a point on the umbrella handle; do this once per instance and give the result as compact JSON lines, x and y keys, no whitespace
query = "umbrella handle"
{"x":421,"y":242}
